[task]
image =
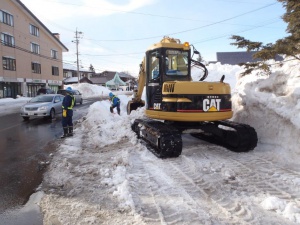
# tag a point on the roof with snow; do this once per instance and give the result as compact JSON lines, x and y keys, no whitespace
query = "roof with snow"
{"x":235,"y":58}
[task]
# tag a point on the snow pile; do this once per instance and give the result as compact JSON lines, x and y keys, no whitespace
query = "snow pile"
{"x":290,"y":210}
{"x":94,"y":91}
{"x":216,"y":71}
{"x":271,"y":105}
{"x":90,"y":90}
{"x":7,"y":105}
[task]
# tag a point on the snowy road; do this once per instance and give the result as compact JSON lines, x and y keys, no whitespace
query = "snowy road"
{"x":207,"y":184}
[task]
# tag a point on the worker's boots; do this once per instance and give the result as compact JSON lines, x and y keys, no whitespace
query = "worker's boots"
{"x":111,"y":109}
{"x":65,"y":132}
{"x":118,"y":111}
{"x":70,"y":131}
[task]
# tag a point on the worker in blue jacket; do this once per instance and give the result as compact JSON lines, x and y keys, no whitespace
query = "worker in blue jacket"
{"x":67,"y":120}
{"x":115,"y":102}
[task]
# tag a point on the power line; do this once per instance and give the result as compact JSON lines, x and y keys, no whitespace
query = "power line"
{"x":241,"y":31}
{"x":145,"y":14}
{"x":196,"y":42}
{"x":197,"y":28}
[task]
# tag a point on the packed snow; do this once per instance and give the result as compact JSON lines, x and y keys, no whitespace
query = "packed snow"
{"x":105,"y":175}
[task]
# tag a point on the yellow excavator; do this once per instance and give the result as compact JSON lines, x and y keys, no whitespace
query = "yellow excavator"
{"x":175,"y":104}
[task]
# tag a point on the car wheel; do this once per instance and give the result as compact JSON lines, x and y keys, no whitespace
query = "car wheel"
{"x":25,"y":118}
{"x":52,"y":114}
{"x":80,"y":101}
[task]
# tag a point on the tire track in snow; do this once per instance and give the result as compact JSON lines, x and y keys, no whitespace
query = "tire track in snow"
{"x":158,"y":199}
{"x":266,"y":176}
{"x":187,"y":175}
{"x":250,"y":179}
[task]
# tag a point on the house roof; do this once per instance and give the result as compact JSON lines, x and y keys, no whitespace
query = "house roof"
{"x":52,"y":35}
{"x":110,"y":74}
{"x":72,"y":67}
{"x":234,"y":58}
{"x":85,"y":80}
{"x":99,"y":80}
{"x":125,"y":75}
{"x":70,"y":80}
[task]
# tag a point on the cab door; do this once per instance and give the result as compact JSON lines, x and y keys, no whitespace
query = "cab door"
{"x":154,"y":81}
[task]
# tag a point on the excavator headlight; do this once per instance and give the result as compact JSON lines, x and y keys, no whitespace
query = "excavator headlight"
{"x":186,"y":44}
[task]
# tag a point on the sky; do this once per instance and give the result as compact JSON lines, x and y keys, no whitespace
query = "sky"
{"x":116,"y":33}
{"x":105,"y":175}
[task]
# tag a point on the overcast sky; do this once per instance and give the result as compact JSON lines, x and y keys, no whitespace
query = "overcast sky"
{"x":116,"y":33}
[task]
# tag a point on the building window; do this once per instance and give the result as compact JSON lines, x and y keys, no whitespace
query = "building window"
{"x":36,"y":67}
{"x":6,"y":18}
{"x":8,"y":63}
{"x":7,"y":40}
{"x":34,"y":30}
{"x":35,"y":48}
{"x":55,"y":71}
{"x":53,"y":54}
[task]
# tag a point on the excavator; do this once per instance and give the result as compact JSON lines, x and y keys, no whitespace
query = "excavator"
{"x":175,"y":104}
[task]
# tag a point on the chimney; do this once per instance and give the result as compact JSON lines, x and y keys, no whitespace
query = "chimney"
{"x":57,"y":35}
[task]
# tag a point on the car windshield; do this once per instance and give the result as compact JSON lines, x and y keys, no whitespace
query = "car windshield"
{"x":42,"y":98}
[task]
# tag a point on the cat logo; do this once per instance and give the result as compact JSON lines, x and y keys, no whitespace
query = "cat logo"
{"x":211,"y":105}
{"x":169,"y":87}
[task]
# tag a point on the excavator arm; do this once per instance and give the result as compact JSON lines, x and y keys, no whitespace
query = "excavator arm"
{"x":137,"y":101}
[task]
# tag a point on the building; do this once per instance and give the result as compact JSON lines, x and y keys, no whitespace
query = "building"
{"x":31,"y":54}
{"x":235,"y":58}
{"x":70,"y":75}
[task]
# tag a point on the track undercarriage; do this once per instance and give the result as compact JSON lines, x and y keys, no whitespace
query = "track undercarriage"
{"x":164,"y":138}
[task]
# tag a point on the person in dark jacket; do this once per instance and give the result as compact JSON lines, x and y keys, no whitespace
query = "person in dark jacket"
{"x":67,"y":120}
{"x":115,"y":102}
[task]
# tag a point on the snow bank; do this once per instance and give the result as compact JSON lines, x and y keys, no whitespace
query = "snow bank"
{"x":271,"y":105}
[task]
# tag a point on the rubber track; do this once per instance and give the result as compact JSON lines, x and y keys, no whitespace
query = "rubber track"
{"x":243,"y":139}
{"x":163,"y":140}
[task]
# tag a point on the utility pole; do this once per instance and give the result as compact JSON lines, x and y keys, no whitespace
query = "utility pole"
{"x":77,"y":36}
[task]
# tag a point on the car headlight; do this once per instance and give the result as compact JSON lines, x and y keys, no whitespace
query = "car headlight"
{"x":43,"y":108}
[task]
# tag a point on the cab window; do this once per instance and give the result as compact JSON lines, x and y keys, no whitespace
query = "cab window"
{"x":154,"y":67}
{"x":176,"y":63}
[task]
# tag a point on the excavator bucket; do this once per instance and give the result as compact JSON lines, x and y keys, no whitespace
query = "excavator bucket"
{"x":134,"y":105}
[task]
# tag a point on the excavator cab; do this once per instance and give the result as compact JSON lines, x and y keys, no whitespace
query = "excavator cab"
{"x":160,"y":65}
{"x":164,"y":64}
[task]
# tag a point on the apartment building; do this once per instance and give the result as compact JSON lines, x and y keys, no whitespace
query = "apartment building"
{"x":31,"y":54}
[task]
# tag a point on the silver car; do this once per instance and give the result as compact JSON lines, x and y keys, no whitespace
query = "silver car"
{"x":43,"y":106}
{"x":77,"y":95}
